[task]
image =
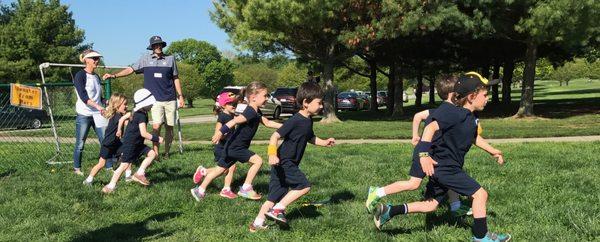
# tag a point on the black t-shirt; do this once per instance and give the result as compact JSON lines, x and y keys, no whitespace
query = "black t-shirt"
{"x":296,"y":132}
{"x":223,"y":118}
{"x":243,"y":134}
{"x":132,"y":136}
{"x":110,"y":134}
{"x":458,"y":130}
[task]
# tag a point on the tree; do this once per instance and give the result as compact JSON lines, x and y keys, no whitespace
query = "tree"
{"x":33,"y":32}
{"x":245,"y":74}
{"x":196,"y":52}
{"x":291,"y":75}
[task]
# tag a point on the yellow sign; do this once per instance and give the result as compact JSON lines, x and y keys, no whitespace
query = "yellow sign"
{"x":25,"y":96}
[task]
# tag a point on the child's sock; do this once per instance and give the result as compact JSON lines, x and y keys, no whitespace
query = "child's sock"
{"x":380,"y":192}
{"x":278,"y":206}
{"x":201,"y":190}
{"x":246,"y":186}
{"x":89,"y":179}
{"x":127,"y":173}
{"x":140,"y":171}
{"x":480,"y":227}
{"x":400,"y":209}
{"x":259,"y":221}
{"x":111,"y":185}
{"x":455,"y":205}
{"x":226,"y":189}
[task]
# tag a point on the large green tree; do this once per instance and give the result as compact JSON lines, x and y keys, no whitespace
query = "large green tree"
{"x":33,"y":32}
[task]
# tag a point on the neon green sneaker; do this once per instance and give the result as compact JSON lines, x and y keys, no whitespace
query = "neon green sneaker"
{"x":464,"y":210}
{"x":372,"y":199}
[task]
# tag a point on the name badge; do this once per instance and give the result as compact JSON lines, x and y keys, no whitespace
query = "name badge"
{"x":157,"y":75}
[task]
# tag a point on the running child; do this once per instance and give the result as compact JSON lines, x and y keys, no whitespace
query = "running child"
{"x":133,"y":142}
{"x":225,"y":112}
{"x":237,"y":147}
{"x":288,"y":183}
{"x":116,"y":115}
{"x":442,"y":159}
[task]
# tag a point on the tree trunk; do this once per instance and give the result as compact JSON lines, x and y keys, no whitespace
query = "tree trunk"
{"x":496,"y":75}
{"x":419,"y":91}
{"x":509,"y":67}
{"x":373,"y":78}
{"x":329,"y":109}
{"x":526,"y":105}
{"x":391,"y":89}
{"x":398,"y":92}
{"x":431,"y":91}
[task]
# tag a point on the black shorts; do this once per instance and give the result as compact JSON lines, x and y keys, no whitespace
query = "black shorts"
{"x":131,"y":154}
{"x":284,"y":177}
{"x":415,"y":168}
{"x":218,"y":152}
{"x":108,"y":152}
{"x":230,"y":156}
{"x":450,"y":178}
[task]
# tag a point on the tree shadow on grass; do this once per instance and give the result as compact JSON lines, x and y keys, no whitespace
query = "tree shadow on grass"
{"x":136,"y":231}
{"x":7,"y":173}
{"x":165,"y":174}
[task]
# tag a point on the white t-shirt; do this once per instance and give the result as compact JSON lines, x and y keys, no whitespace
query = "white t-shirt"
{"x":87,"y":86}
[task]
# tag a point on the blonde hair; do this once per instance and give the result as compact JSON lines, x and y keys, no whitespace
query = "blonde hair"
{"x":252,"y":88}
{"x":116,"y":100}
{"x":83,"y":53}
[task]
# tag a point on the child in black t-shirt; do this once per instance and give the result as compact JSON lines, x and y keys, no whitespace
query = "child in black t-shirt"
{"x":442,"y":158}
{"x":288,"y":182}
{"x":133,"y":141}
{"x":237,"y":147}
{"x":225,"y":110}
{"x":116,"y":115}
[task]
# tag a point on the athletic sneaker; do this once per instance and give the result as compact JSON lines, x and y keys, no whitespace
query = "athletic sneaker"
{"x":382,"y":215}
{"x":197,"y":194}
{"x":277,"y":215}
{"x":85,"y":182}
{"x":372,"y":199}
{"x":140,"y":179}
{"x":249,"y":194}
{"x":199,"y":174}
{"x":463,"y":210}
{"x":254,"y":228}
{"x":107,"y":190}
{"x":493,"y":237}
{"x":227,"y":194}
{"x":78,"y":172}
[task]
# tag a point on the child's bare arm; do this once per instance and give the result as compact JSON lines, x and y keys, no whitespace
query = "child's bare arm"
{"x":321,"y":142}
{"x":219,"y":133}
{"x":484,"y":145}
{"x":270,"y":123}
{"x":148,"y":136}
{"x":122,"y":122}
{"x":417,"y":119}
{"x":426,"y":161}
{"x":272,"y":149}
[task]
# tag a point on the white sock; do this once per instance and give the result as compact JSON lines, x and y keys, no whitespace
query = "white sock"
{"x":259,"y":221}
{"x":89,"y":179}
{"x":278,"y":206}
{"x":127,"y":173}
{"x":226,"y":189}
{"x":111,"y":185}
{"x":455,"y":205}
{"x":246,"y":186}
{"x":380,"y":192}
{"x":141,"y":171}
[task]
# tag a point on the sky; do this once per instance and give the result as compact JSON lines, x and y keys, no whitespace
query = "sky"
{"x":120,"y":29}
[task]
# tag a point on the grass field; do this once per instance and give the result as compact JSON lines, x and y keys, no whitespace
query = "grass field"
{"x":546,"y":192}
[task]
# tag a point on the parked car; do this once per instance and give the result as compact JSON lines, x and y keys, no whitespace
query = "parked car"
{"x":366,"y":101}
{"x":272,"y":107}
{"x":287,"y":97}
{"x":21,"y":118}
{"x":382,"y":98}
{"x":350,"y":101}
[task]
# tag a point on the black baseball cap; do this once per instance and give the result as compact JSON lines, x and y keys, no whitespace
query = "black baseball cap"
{"x":470,"y":81}
{"x":156,"y":40}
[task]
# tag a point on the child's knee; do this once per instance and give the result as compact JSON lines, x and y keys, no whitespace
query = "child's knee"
{"x":480,"y":194}
{"x":431,"y":206}
{"x":256,"y":160}
{"x":151,"y":154}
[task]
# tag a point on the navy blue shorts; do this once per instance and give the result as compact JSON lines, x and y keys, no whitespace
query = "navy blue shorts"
{"x":230,"y":156}
{"x":450,"y":178}
{"x":108,"y":152}
{"x":131,"y":154}
{"x":284,"y":177}
{"x":218,"y":152}
{"x":415,"y":168}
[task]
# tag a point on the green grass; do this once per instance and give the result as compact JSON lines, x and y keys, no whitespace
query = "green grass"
{"x":546,"y":191}
{"x":201,"y":107}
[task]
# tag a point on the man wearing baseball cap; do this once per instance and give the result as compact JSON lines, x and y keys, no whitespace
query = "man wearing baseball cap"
{"x":161,"y":78}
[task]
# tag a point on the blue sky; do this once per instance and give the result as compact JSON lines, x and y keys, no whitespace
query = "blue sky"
{"x":120,"y":29}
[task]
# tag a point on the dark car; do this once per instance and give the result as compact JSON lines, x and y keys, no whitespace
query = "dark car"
{"x":287,"y":97}
{"x":20,"y":118}
{"x":350,"y":101}
{"x":272,"y":107}
{"x":382,"y":98}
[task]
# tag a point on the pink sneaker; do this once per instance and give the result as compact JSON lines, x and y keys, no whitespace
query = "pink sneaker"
{"x":199,"y":174}
{"x":227,"y":194}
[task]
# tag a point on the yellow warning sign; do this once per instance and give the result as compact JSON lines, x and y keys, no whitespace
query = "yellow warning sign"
{"x":25,"y":96}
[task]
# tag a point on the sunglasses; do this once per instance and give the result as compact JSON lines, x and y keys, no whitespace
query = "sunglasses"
{"x":95,"y":58}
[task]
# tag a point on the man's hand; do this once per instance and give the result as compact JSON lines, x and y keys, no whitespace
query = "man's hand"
{"x":273,"y":160}
{"x":427,"y":165}
{"x":330,"y":142}
{"x":181,"y":102}
{"x":415,"y":140}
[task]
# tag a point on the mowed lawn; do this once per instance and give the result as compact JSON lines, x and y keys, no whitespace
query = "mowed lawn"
{"x":546,"y":192}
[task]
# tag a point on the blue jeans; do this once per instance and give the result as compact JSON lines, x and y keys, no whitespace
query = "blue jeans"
{"x":82,"y":127}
